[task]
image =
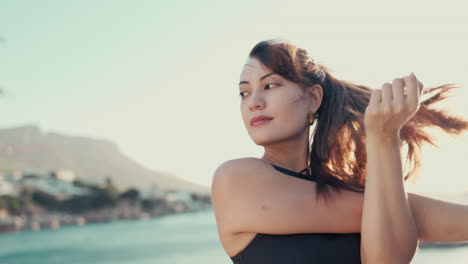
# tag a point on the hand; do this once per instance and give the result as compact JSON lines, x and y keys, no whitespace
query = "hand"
{"x":392,"y":106}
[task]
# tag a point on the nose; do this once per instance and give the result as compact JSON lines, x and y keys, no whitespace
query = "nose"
{"x":256,"y":102}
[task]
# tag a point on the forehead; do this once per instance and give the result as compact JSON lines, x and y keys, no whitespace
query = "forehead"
{"x":253,"y":68}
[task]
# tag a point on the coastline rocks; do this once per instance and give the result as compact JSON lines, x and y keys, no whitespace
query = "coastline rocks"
{"x":40,"y":218}
{"x":80,"y":221}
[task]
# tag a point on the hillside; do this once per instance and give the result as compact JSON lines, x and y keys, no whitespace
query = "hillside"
{"x":91,"y":159}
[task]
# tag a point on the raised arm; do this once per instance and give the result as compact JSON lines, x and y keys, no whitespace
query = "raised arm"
{"x":389,"y":233}
{"x":248,"y":195}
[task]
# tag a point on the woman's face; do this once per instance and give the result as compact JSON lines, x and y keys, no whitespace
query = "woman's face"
{"x":264,"y":93}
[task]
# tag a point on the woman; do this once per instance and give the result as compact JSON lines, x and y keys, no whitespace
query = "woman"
{"x":326,"y":215}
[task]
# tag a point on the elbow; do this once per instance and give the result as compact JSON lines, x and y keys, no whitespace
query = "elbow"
{"x":407,"y":253}
{"x":405,"y":248}
{"x":403,"y":256}
{"x":386,"y":260}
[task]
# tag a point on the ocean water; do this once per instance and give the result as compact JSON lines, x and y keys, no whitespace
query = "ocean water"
{"x":174,"y":239}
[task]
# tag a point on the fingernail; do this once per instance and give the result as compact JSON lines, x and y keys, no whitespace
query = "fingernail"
{"x":413,"y":74}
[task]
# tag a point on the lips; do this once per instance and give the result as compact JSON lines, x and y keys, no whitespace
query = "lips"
{"x":259,"y":118}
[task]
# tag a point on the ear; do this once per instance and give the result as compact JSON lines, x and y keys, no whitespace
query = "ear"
{"x":314,"y":96}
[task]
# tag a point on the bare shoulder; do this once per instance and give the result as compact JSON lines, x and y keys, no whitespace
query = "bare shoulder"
{"x":230,"y":180}
{"x":240,"y":163}
{"x":236,"y":174}
{"x":249,"y":196}
{"x":231,"y":189}
{"x":234,"y":168}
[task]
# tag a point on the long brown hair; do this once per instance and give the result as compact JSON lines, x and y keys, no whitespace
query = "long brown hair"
{"x":338,"y":153}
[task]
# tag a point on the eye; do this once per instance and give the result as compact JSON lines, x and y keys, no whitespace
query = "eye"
{"x":268,"y":85}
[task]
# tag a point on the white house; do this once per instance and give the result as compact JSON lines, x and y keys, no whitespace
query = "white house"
{"x":64,"y":175}
{"x":6,"y":187}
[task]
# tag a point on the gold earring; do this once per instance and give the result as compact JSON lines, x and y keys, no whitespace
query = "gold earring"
{"x":311,"y":119}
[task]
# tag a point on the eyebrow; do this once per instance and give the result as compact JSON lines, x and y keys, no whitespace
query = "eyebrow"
{"x":261,"y":78}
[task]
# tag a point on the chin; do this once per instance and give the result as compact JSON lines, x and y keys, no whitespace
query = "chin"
{"x":258,"y":140}
{"x":263,"y":140}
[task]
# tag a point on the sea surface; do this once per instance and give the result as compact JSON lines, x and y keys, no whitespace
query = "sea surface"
{"x":173,"y":239}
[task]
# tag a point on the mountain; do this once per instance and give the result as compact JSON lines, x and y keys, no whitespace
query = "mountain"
{"x":27,"y":147}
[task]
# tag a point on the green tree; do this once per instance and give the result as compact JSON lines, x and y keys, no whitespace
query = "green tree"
{"x":110,"y":188}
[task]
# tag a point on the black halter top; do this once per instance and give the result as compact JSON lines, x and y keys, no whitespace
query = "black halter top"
{"x":306,"y":248}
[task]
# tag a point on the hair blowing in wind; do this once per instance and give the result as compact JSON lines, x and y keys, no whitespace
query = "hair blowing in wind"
{"x":338,"y":153}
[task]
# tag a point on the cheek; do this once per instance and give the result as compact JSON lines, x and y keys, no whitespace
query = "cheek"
{"x":291,"y":106}
{"x":244,"y":114}
{"x":293,"y":113}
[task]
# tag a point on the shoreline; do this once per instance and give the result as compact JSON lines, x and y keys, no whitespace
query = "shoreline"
{"x":123,"y":210}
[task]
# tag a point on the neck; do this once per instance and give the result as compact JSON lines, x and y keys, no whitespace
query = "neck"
{"x":292,"y":154}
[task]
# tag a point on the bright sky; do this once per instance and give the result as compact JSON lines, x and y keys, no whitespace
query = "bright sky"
{"x":160,"y":79}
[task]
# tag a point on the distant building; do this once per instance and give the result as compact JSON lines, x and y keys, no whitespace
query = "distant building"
{"x":179,"y":196}
{"x":154,"y":192}
{"x":6,"y":188}
{"x":58,"y":183}
{"x":16,"y":175}
{"x":64,"y":175}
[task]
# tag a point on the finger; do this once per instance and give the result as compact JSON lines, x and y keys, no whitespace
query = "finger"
{"x":421,"y":88}
{"x":411,"y":83}
{"x":387,"y":94}
{"x":398,"y":86}
{"x":375,"y":97}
